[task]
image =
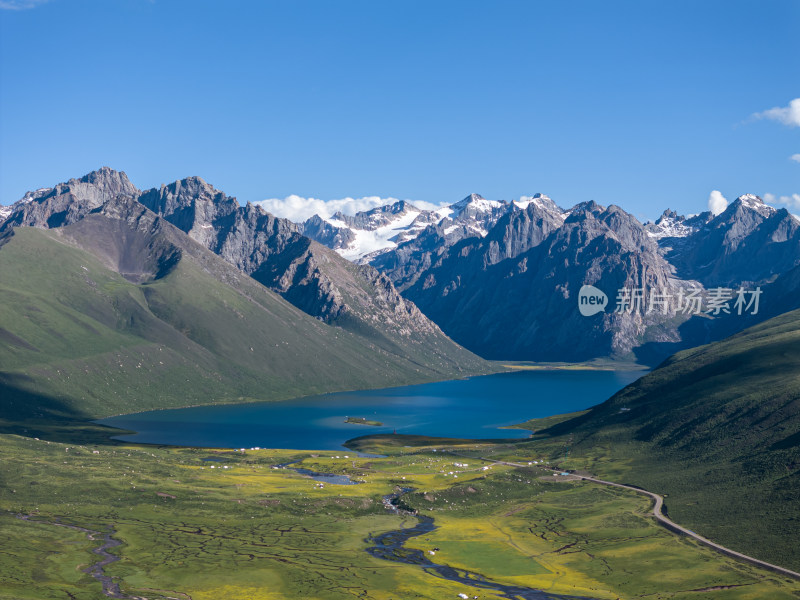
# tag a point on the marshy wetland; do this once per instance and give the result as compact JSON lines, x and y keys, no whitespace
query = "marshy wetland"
{"x":242,"y":527}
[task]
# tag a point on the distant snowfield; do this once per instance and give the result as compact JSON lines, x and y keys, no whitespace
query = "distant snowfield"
{"x":383,"y":238}
{"x":669,"y":228}
{"x":366,"y":234}
{"x":473,"y":212}
{"x":362,"y":229}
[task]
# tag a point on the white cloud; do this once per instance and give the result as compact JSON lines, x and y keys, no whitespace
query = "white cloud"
{"x":791,"y":202}
{"x":717,"y":202}
{"x":20,"y":4}
{"x":297,"y":209}
{"x":788,"y":115}
{"x":795,"y":158}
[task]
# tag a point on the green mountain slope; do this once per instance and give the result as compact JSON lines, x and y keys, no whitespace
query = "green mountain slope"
{"x":717,"y":430}
{"x":121,"y":312}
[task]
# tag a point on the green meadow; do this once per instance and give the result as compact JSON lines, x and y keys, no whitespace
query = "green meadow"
{"x":236,"y":527}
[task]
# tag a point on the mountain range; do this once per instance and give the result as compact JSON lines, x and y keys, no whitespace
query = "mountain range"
{"x":115,"y":300}
{"x":496,"y":276}
{"x":493,"y":276}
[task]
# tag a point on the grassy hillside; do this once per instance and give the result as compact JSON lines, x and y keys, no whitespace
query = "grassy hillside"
{"x":77,"y":339}
{"x":716,"y":430}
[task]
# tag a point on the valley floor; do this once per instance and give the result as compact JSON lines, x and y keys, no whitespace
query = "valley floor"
{"x":202,"y":525}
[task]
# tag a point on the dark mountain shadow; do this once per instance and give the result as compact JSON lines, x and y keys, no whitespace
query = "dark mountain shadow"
{"x":30,"y":414}
{"x":779,"y":297}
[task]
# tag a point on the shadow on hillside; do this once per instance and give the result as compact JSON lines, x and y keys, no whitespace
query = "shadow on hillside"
{"x":779,"y":298}
{"x":697,"y":331}
{"x":27,"y":413}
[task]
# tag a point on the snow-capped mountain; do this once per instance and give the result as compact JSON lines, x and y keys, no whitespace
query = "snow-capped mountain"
{"x":368,"y":234}
{"x":749,"y":241}
{"x":477,"y":214}
{"x":500,"y":293}
{"x":672,"y":225}
{"x":4,"y":212}
{"x":755,"y":203}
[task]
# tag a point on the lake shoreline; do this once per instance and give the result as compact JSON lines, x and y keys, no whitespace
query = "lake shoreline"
{"x":479,"y":408}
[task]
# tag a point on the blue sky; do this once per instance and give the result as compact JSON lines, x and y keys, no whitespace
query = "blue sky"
{"x":645,"y":104}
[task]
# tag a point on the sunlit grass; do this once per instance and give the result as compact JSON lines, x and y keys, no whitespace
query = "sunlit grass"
{"x":253,"y":531}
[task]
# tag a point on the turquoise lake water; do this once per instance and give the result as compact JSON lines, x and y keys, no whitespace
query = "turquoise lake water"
{"x":468,"y":408}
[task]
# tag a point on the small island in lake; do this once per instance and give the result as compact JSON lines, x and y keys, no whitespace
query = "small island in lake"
{"x":362,"y":421}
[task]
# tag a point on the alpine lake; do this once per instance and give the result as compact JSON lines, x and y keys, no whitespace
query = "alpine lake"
{"x":475,"y":408}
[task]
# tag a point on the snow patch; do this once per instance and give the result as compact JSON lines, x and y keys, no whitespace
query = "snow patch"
{"x":446,"y":212}
{"x":450,"y":229}
{"x":669,"y":228}
{"x":477,"y":203}
{"x":541,"y":201}
{"x":335,"y":222}
{"x":379,"y":239}
{"x":755,"y":203}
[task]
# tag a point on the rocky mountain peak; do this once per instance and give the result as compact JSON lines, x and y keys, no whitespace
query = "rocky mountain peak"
{"x":750,"y":202}
{"x":109,"y":179}
{"x":671,"y":225}
{"x":539,"y":200}
{"x":69,"y":201}
{"x":750,"y":199}
{"x":743,"y":215}
{"x":375,"y":218}
{"x":192,"y":204}
{"x":467,"y":200}
{"x":749,"y":242}
{"x":477,"y":203}
{"x":94,"y":188}
{"x":192,"y":190}
{"x":584,"y":210}
{"x":669,"y":215}
{"x":401,"y":206}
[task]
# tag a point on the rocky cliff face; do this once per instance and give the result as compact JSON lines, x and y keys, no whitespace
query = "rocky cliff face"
{"x":273,"y":251}
{"x":472,"y":217}
{"x":514,"y":293}
{"x":749,"y":242}
{"x":406,"y":263}
{"x":68,"y":202}
{"x":245,"y":236}
{"x":493,"y":292}
{"x":320,"y":230}
{"x":519,"y":231}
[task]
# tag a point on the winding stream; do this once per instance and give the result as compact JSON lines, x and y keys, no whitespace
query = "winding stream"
{"x":391,"y":546}
{"x":110,"y":588}
{"x":317,"y":476}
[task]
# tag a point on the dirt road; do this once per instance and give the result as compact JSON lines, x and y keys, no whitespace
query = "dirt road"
{"x":672,"y":525}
